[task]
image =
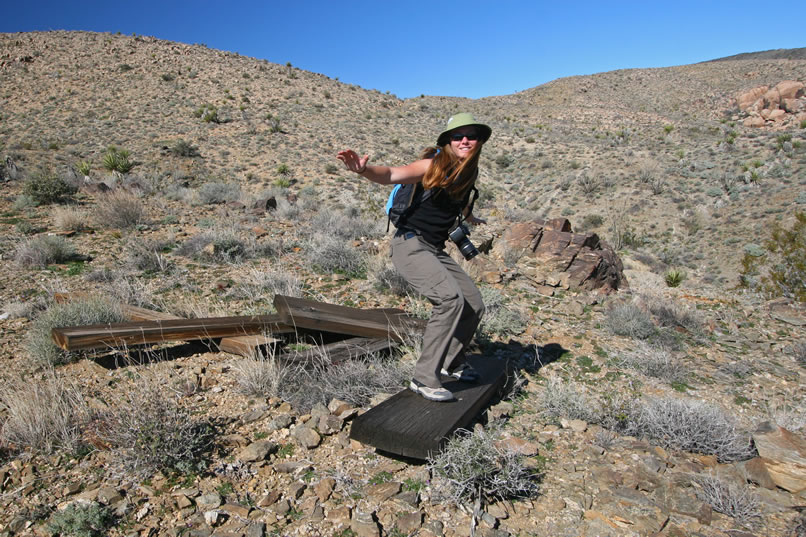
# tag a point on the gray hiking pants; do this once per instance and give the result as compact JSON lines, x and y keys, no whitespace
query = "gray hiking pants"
{"x":457,"y":302}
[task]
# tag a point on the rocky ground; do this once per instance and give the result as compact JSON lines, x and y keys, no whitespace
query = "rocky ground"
{"x":661,"y":164}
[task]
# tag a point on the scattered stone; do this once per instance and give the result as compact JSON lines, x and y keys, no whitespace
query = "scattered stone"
{"x":183,"y":502}
{"x":324,"y":488}
{"x":784,"y":455}
{"x":213,"y":517}
{"x":330,"y":424}
{"x":756,"y":471}
{"x":257,"y":451}
{"x":364,"y":524}
{"x":307,"y":437}
{"x":339,"y":515}
{"x":408,"y":523}
{"x":283,"y":421}
{"x":295,"y":490}
{"x":208,"y":501}
{"x":270,"y":498}
{"x":235,"y":509}
{"x":382,"y":491}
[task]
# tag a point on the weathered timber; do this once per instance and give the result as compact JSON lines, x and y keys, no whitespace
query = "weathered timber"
{"x":137,"y":333}
{"x":384,"y":323}
{"x":246,"y":346}
{"x":340,"y":351}
{"x":409,"y":425}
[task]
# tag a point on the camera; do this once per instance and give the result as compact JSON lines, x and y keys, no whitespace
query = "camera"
{"x":459,"y":238}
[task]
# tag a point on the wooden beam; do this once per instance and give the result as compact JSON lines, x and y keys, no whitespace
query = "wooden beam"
{"x":409,"y":425}
{"x":137,"y":333}
{"x":392,"y":324}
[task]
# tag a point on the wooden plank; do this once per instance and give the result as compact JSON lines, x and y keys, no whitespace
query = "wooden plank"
{"x":339,"y":351}
{"x":246,"y":346}
{"x":409,"y":425}
{"x":341,"y":319}
{"x":138,"y":333}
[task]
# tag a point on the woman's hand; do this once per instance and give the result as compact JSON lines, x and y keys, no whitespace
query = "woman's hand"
{"x":353,"y":162}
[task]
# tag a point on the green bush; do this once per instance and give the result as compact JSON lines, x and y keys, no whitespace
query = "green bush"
{"x":94,"y":310}
{"x":782,"y":271}
{"x":46,"y":187}
{"x":208,"y":113}
{"x":82,"y":520}
{"x":674,"y":277}
{"x":184,"y":149}
{"x":117,"y":160}
{"x":84,"y":167}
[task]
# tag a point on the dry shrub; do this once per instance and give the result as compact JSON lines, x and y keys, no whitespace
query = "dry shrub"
{"x":44,"y":250}
{"x":45,"y":416}
{"x":385,"y":277}
{"x":736,"y":501}
{"x":561,"y":399}
{"x":478,"y":466}
{"x":657,"y":362}
{"x":120,"y":209}
{"x":691,"y":425}
{"x":330,"y":254}
{"x":261,"y":285}
{"x":500,"y":319}
{"x":70,"y":219}
{"x":355,"y":380}
{"x":627,"y":319}
{"x":90,"y":310}
{"x":152,"y":432}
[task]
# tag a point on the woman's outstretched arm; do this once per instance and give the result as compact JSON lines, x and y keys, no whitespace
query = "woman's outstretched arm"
{"x":384,"y":175}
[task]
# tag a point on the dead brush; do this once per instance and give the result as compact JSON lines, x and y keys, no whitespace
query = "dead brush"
{"x":119,"y":209}
{"x":319,"y":380}
{"x":90,"y":310}
{"x":657,"y":362}
{"x":70,"y":219}
{"x":690,"y":425}
{"x":45,"y":416}
{"x":261,"y":285}
{"x":44,"y":250}
{"x":736,"y":501}
{"x":150,"y":431}
{"x":477,"y":467}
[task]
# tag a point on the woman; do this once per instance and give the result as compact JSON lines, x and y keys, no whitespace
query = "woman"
{"x":418,"y":247}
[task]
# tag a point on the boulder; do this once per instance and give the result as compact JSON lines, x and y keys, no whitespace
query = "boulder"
{"x":790,"y":89}
{"x":784,"y":456}
{"x":754,"y":121}
{"x":555,"y":256}
{"x":748,"y":99}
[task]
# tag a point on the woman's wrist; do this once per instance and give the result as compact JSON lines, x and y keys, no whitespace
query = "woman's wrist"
{"x":362,"y":170}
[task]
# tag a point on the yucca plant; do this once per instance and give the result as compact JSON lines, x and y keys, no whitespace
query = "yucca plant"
{"x":674,"y":277}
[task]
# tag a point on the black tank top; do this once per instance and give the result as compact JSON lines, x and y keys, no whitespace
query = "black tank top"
{"x":434,"y":217}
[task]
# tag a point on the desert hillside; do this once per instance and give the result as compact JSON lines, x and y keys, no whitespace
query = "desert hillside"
{"x":195,"y":182}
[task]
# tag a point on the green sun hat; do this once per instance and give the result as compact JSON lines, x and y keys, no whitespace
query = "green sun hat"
{"x":463,"y":120}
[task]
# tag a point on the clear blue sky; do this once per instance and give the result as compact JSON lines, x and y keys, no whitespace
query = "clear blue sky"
{"x":463,"y":48}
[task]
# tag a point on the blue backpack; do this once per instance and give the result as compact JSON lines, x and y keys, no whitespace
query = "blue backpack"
{"x":402,"y":200}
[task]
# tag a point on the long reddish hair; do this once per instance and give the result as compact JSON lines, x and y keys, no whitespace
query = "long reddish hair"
{"x":448,"y":172}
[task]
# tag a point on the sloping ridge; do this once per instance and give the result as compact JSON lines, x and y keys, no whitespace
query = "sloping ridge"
{"x":775,"y":54}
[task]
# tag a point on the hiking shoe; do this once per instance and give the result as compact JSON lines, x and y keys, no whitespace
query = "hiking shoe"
{"x":463,"y":373}
{"x":432,"y":394}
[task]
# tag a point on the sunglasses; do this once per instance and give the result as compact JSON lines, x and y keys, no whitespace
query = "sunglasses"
{"x":473,"y":136}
